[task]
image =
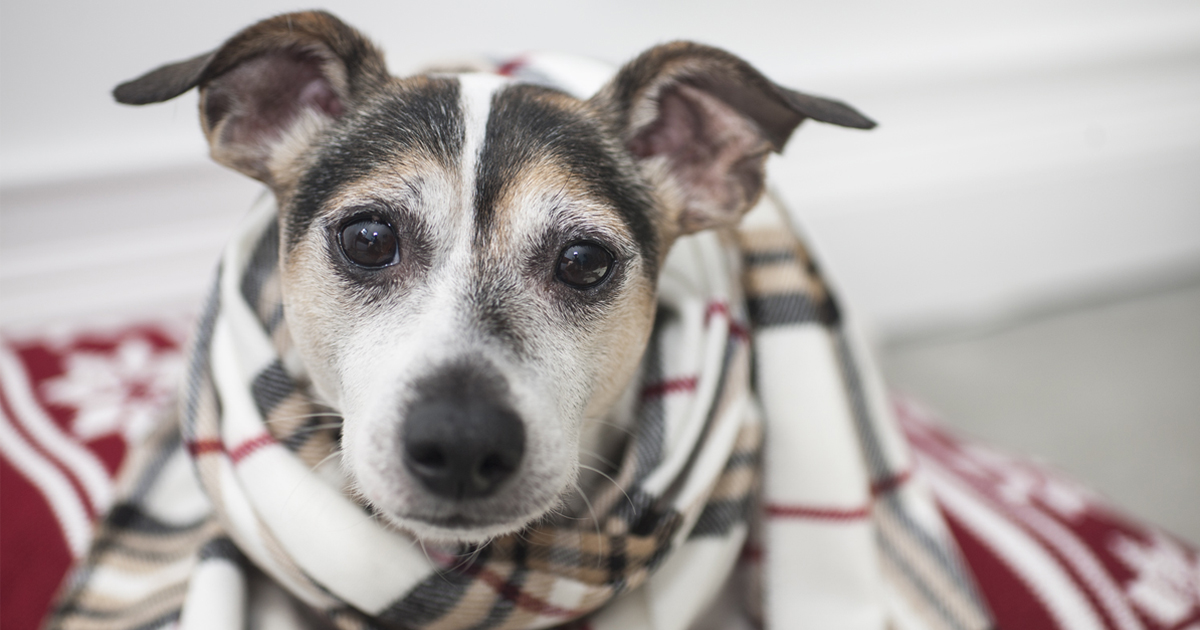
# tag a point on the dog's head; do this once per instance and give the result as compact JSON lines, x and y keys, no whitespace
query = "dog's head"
{"x":468,"y":264}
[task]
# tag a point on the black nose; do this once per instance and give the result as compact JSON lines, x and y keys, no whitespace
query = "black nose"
{"x":462,"y":440}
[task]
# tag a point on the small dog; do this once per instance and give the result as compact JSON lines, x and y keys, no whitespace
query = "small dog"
{"x":506,"y":236}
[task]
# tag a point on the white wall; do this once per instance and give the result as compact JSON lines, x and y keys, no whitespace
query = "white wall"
{"x":1027,"y":149}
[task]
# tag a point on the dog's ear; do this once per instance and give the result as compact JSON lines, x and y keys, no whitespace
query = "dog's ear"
{"x":701,"y":123}
{"x":270,"y":86}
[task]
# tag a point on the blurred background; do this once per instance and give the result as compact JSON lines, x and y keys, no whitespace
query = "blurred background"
{"x":1020,"y":236}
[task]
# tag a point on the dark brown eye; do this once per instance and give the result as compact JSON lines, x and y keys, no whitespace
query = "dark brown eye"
{"x":583,"y":265}
{"x":370,"y":243}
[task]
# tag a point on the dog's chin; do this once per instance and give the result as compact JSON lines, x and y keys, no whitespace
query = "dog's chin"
{"x":471,"y":521}
{"x":460,"y":527}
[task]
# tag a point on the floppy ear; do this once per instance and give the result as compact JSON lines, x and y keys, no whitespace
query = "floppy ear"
{"x":270,"y":86}
{"x":701,"y":123}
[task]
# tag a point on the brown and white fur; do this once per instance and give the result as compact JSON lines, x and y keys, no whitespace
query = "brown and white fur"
{"x":476,"y":361}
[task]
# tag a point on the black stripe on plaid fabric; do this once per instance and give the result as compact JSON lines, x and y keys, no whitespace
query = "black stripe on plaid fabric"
{"x":130,"y":517}
{"x":119,"y":545}
{"x":170,"y":597}
{"x":104,"y":616}
{"x":198,"y":364}
{"x":927,"y":591}
{"x":719,"y":517}
{"x":732,"y":344}
{"x":764,"y":257}
{"x":261,"y":266}
{"x":879,"y":469}
{"x":618,"y":562}
{"x":877,"y":465}
{"x":270,"y":387}
{"x":941,"y":553}
{"x":562,"y":555}
{"x":169,"y":618}
{"x":221,"y":547}
{"x":311,"y":428}
{"x":649,"y":432}
{"x":155,"y":624}
{"x":782,"y":309}
{"x":510,"y":591}
{"x":436,"y":595}
{"x":638,"y":512}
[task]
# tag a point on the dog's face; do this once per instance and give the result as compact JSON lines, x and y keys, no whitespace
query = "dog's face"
{"x":469,"y":274}
{"x":469,"y":264}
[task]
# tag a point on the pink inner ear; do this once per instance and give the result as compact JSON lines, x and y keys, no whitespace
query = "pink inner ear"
{"x":677,"y":127}
{"x":263,"y":96}
{"x":713,"y":153}
{"x":319,"y":95}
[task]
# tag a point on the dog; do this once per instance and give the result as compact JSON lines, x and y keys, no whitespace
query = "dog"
{"x":470,"y":268}
{"x":506,"y":236}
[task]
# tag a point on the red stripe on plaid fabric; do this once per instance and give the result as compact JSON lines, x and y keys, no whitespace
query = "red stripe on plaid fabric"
{"x":888,"y":484}
{"x":509,"y":67}
{"x":715,"y":308}
{"x":514,"y":594}
{"x":205,"y":447}
{"x":736,"y":328}
{"x":669,"y":386}
{"x":249,"y":447}
{"x":775,"y":510}
{"x":882,"y":486}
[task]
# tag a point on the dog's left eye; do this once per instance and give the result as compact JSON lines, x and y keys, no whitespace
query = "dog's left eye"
{"x":583,"y":265}
{"x":370,"y":243}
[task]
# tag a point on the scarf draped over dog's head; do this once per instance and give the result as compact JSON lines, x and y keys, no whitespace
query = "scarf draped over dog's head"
{"x":820,"y":516}
{"x":761,"y":444}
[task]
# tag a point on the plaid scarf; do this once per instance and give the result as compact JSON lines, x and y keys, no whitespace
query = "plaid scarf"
{"x":232,"y":515}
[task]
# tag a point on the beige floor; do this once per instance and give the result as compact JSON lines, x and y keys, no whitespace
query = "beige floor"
{"x":1107,"y":389}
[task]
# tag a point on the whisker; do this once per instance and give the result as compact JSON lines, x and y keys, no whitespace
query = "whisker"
{"x":595,"y":519}
{"x":623,"y":428}
{"x":614,"y":481}
{"x":320,"y":427}
{"x":436,"y":569}
{"x":470,"y":558}
{"x":328,"y":457}
{"x":602,"y":459}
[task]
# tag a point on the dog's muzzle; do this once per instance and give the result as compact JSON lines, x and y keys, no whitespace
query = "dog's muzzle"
{"x":461,"y":437}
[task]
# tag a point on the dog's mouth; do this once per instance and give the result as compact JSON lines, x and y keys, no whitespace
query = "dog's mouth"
{"x":474,"y":520}
{"x":456,"y":524}
{"x":455,"y":521}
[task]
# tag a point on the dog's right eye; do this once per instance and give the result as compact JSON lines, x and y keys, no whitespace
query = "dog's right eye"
{"x":370,"y":243}
{"x":583,"y":265}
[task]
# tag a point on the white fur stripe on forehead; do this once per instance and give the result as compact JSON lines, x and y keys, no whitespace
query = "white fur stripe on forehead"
{"x":476,"y":92}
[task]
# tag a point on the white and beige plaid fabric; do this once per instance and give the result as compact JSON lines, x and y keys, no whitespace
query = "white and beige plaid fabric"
{"x":763,"y":447}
